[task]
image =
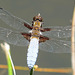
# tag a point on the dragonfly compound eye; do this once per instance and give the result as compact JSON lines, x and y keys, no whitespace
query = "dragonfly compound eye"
{"x":37,"y":18}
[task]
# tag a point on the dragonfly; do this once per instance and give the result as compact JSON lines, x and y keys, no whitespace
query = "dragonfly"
{"x":54,"y":39}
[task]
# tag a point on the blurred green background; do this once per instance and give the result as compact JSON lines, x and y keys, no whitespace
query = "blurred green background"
{"x":54,"y":12}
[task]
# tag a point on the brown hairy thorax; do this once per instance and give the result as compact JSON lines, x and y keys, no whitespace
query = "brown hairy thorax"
{"x":36,"y":29}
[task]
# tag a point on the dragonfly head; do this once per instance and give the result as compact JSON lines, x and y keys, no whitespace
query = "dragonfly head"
{"x":38,"y":17}
{"x":37,"y":20}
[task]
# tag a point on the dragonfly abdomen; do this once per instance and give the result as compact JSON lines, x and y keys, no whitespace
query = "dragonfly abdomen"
{"x":32,"y":52}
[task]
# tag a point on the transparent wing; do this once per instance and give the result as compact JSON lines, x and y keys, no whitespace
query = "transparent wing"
{"x":13,"y":21}
{"x":12,"y":37}
{"x":59,"y":42}
{"x":56,"y":46}
{"x":58,"y":32}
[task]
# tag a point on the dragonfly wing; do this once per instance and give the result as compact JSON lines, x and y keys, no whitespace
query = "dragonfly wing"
{"x":12,"y":37}
{"x":56,"y":46}
{"x":12,"y":21}
{"x":58,"y":32}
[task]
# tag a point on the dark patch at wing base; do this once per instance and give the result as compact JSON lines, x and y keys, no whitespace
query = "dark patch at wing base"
{"x":45,"y":29}
{"x":27,"y":35}
{"x":43,"y":38}
{"x":28,"y":26}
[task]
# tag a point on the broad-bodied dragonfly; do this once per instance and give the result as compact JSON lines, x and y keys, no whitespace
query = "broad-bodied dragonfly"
{"x":54,"y":39}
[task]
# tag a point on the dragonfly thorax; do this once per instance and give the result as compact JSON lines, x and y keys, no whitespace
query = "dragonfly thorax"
{"x":35,"y":32}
